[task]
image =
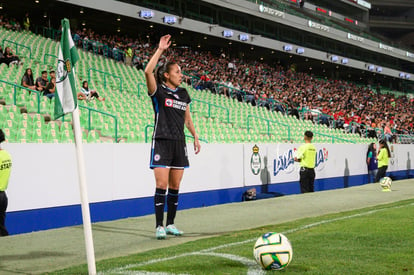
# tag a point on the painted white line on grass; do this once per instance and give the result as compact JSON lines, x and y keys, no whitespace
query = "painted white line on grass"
{"x":253,"y":267}
{"x":208,"y":252}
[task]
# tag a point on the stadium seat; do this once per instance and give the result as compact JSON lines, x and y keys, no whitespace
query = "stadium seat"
{"x":93,"y":137}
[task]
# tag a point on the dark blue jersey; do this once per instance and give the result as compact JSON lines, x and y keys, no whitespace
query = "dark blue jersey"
{"x":169,"y":112}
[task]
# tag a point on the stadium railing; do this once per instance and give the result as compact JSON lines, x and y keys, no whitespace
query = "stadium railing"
{"x":139,"y":85}
{"x":333,"y":137}
{"x":105,"y":74}
{"x":404,"y":139}
{"x":210,"y":106}
{"x":268,"y":121}
{"x":17,"y":46}
{"x":47,"y":32}
{"x":90,"y":111}
{"x":50,"y":55}
{"x":15,"y":89}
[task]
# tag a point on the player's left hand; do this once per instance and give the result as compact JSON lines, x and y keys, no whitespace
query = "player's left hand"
{"x":197,"y":146}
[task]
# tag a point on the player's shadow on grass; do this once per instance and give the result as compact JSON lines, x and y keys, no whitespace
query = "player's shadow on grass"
{"x":144,"y":232}
{"x":120,"y":230}
{"x":33,"y":255}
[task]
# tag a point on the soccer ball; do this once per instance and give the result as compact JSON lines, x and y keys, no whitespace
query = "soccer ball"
{"x":273,"y":251}
{"x":385,"y":183}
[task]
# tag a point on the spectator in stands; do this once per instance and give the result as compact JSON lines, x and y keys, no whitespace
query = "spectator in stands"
{"x":50,"y":88}
{"x":387,"y":132}
{"x":372,"y":162}
{"x":128,"y":55}
{"x":87,"y":94}
{"x":27,"y":79}
{"x":383,"y":159}
{"x":136,"y":61}
{"x":168,"y":157}
{"x":5,"y":169}
{"x":26,"y":22}
{"x":1,"y":55}
{"x":41,"y":82}
{"x":10,"y":57}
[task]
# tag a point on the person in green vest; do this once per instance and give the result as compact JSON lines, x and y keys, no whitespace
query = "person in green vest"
{"x":383,"y":158}
{"x":306,"y":156}
{"x":5,"y":168}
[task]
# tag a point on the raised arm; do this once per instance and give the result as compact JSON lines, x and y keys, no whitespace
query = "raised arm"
{"x":149,"y":70}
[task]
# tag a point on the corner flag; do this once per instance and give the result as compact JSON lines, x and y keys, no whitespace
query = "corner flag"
{"x":66,"y":97}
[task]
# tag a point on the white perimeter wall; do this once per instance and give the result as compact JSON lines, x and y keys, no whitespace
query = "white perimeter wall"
{"x":45,"y":175}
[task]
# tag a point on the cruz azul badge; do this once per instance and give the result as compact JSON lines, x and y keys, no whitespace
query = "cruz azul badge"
{"x":255,"y":160}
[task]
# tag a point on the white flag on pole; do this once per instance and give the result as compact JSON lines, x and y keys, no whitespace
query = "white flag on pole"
{"x":66,"y":97}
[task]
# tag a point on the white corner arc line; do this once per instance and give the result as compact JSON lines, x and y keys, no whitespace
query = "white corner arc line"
{"x":124,"y":270}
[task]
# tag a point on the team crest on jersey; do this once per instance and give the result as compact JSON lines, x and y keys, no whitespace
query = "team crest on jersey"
{"x":169,"y":102}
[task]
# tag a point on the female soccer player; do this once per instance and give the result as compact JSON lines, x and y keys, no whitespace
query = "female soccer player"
{"x":383,"y":159}
{"x":168,"y":151}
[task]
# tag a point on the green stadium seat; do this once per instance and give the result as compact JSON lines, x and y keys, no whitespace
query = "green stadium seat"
{"x":93,"y":137}
{"x":23,"y":136}
{"x":66,"y":136}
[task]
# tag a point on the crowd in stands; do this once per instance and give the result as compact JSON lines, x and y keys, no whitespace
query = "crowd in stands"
{"x":44,"y":84}
{"x":336,"y":103}
{"x":10,"y":23}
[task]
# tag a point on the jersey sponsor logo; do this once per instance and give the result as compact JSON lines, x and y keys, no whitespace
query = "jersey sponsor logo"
{"x":175,"y":104}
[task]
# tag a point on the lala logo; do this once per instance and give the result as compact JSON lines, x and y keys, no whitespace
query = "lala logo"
{"x":284,"y":162}
{"x":321,"y":159}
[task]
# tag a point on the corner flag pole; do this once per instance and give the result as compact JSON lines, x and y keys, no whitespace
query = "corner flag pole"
{"x":86,"y":217}
{"x":66,"y":102}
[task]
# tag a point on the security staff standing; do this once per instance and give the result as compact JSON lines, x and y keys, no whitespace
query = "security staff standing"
{"x":5,"y":168}
{"x":306,"y":155}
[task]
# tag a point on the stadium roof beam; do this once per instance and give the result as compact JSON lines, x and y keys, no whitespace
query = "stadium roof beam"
{"x":392,"y":3}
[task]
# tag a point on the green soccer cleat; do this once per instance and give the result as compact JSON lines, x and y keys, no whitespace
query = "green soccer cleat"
{"x":160,"y":233}
{"x":172,"y":230}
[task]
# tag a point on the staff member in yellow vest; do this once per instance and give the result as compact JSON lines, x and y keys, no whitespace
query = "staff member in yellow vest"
{"x":5,"y":168}
{"x":128,"y":56}
{"x":383,"y":158}
{"x":306,"y":156}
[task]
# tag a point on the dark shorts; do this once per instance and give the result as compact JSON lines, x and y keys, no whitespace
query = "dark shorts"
{"x":169,"y":154}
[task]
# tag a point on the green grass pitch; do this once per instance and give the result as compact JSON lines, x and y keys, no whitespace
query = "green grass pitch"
{"x":377,"y":240}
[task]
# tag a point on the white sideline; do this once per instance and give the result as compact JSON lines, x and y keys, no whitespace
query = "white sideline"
{"x":252,"y":269}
